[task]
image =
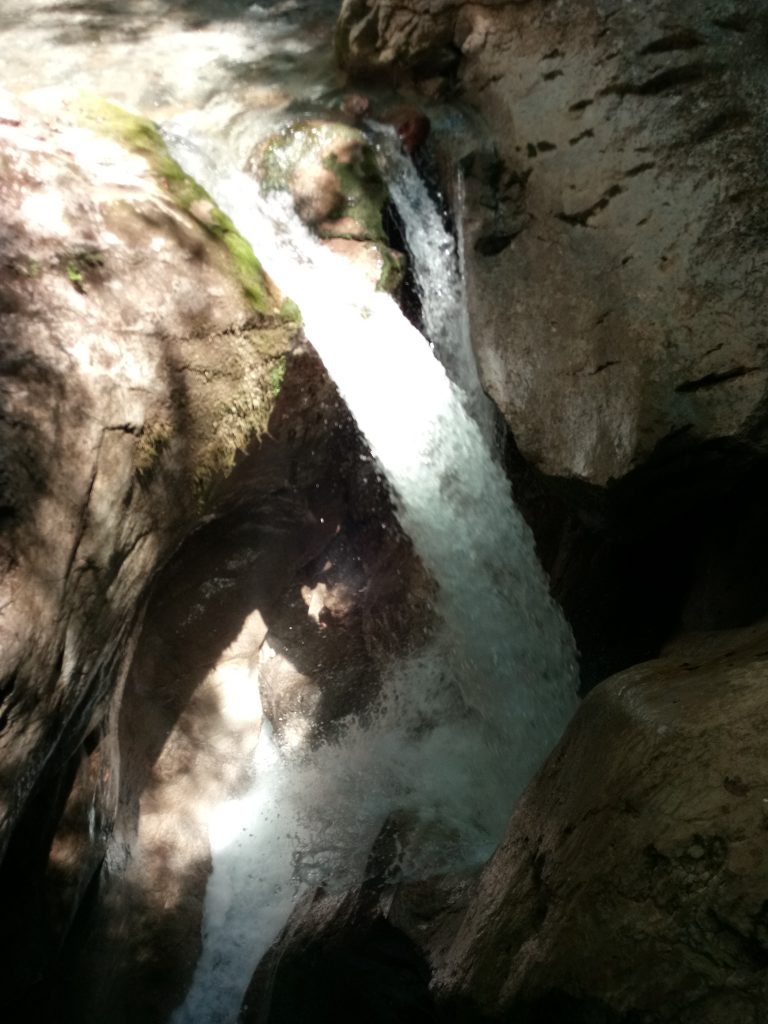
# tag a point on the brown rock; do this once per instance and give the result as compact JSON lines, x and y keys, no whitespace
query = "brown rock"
{"x":632,"y":880}
{"x":411,"y":125}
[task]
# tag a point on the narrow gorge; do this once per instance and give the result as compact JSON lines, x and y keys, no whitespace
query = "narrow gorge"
{"x":383,"y":434}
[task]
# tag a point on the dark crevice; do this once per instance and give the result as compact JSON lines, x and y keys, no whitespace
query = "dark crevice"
{"x":685,"y":39}
{"x":732,"y":23}
{"x":711,"y":380}
{"x":492,"y":245}
{"x":581,"y":105}
{"x":557,"y":73}
{"x":604,"y":366}
{"x":587,"y":134}
{"x":582,"y":218}
{"x":670,"y":78}
{"x":640,"y":169}
{"x":728,"y":120}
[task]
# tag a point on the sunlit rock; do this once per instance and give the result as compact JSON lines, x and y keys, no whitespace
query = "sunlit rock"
{"x":625,"y":175}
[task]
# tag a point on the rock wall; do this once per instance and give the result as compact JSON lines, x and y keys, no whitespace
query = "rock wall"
{"x":626,"y":181}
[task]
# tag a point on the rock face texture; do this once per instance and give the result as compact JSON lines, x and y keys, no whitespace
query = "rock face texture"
{"x":139,"y":346}
{"x":627,"y":180}
{"x":614,"y":232}
{"x":631,"y":886}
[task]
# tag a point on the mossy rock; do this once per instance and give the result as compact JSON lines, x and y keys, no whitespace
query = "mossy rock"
{"x":140,"y":135}
{"x":330,"y":170}
{"x":227,"y":382}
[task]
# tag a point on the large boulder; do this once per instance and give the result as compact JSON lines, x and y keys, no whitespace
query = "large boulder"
{"x":142,"y":349}
{"x":627,"y":179}
{"x":632,"y":882}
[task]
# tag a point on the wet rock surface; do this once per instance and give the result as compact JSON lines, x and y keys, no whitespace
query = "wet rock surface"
{"x":329,"y":170}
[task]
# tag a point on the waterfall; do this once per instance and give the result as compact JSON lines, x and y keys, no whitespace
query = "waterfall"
{"x":459,"y":728}
{"x":435,"y":264}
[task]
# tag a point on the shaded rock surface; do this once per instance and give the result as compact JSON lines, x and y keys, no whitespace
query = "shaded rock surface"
{"x":139,"y":341}
{"x":362,"y":955}
{"x":631,"y":885}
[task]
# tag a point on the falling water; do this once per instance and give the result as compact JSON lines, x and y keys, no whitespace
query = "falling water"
{"x":435,"y":265}
{"x":459,"y":729}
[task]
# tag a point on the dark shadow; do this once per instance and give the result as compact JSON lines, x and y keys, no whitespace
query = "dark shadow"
{"x":678,"y":544}
{"x":342,"y":966}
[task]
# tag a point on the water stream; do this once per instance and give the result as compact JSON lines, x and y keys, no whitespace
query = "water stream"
{"x":461,"y":729}
{"x":433,"y":254}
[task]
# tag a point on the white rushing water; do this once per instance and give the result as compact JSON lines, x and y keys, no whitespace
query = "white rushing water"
{"x":459,"y":729}
{"x":434,"y":258}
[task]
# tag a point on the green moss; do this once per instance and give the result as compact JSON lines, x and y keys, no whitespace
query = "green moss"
{"x":290,"y":311}
{"x":80,"y":264}
{"x":392,"y":271}
{"x":140,"y":135}
{"x":233,"y":406}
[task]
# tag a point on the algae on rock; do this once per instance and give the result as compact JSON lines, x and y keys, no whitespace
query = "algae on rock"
{"x":231,"y":381}
{"x":140,"y":135}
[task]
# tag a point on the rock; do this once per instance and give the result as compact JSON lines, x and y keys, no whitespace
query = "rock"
{"x":631,"y":884}
{"x":140,"y":342}
{"x":355,"y":106}
{"x":329,"y":168}
{"x":341,"y":961}
{"x":626,"y":180}
{"x":394,"y":40}
{"x":411,"y":124}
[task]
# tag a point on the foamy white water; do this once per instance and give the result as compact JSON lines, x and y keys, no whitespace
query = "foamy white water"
{"x":461,"y":728}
